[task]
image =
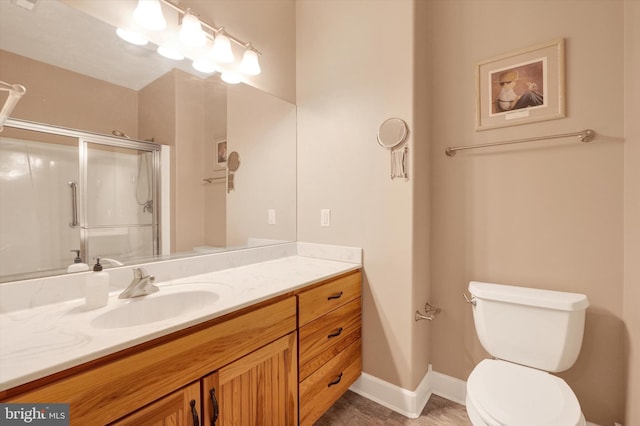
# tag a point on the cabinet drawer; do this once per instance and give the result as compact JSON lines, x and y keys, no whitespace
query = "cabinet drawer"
{"x":318,"y":338}
{"x":327,"y":297}
{"x":323,"y":388}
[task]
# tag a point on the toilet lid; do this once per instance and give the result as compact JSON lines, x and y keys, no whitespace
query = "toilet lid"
{"x":511,"y":394}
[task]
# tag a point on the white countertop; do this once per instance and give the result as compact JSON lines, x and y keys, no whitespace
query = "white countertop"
{"x":43,"y":340}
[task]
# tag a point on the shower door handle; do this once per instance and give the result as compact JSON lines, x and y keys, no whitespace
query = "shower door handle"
{"x":74,"y":204}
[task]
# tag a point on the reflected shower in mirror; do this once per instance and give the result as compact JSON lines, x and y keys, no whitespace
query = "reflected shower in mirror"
{"x":82,"y":76}
{"x":104,"y":190}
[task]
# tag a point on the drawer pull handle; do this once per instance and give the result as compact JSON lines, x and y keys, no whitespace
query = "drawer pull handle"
{"x":335,"y":381}
{"x":335,"y":296}
{"x":194,"y":413}
{"x":216,"y":407}
{"x":335,"y":333}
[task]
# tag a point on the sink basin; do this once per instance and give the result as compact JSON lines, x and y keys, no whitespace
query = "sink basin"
{"x":149,"y":309}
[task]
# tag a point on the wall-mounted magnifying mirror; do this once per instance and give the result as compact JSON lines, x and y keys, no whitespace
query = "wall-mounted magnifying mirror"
{"x":392,"y":132}
{"x":233,"y":162}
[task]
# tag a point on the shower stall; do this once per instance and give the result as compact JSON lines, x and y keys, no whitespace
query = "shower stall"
{"x":64,"y":190}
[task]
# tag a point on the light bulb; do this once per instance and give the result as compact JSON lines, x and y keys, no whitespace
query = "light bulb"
{"x":191,"y":32}
{"x":222,"y":49}
{"x":204,"y":65}
{"x":250,"y":64}
{"x":148,"y":13}
{"x":230,"y":77}
{"x":170,"y":53}
{"x":131,"y":37}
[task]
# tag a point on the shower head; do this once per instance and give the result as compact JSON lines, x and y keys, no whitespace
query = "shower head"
{"x":119,"y":134}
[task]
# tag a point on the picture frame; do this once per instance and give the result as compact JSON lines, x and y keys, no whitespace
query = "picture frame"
{"x":524,"y":86}
{"x":220,"y":153}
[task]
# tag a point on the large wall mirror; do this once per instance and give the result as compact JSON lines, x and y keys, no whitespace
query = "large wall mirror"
{"x":80,"y":75}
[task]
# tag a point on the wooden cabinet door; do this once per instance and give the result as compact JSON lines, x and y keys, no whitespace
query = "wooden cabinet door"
{"x":258,"y":389}
{"x":180,"y":408}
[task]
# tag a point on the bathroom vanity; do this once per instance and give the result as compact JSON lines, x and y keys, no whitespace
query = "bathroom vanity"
{"x":270,"y":354}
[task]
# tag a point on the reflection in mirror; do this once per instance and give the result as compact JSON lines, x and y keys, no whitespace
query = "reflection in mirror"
{"x":104,"y":190}
{"x":34,"y":237}
{"x":86,"y":78}
{"x":233,"y":162}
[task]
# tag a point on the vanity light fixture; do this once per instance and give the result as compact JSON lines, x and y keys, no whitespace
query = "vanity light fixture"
{"x":194,"y":33}
{"x":222,"y":52}
{"x":230,"y":77}
{"x":204,"y":65}
{"x":250,"y":64}
{"x":222,"y":48}
{"x":132,"y":37}
{"x":148,"y":13}
{"x":170,"y":53}
{"x":191,"y":32}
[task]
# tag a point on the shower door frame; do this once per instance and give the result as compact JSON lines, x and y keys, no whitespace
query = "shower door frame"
{"x":84,"y":138}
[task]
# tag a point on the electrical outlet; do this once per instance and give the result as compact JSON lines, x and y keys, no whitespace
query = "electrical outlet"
{"x":271,"y":216}
{"x":325,"y":217}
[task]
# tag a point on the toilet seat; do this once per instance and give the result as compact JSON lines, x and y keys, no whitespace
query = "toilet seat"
{"x":503,"y":393}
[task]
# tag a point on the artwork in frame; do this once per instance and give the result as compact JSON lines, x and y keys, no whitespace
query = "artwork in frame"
{"x":221,"y":153}
{"x":521,"y":87}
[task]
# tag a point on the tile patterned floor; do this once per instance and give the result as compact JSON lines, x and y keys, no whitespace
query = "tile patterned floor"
{"x":353,"y":409}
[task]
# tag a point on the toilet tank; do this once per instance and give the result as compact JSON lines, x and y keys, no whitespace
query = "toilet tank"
{"x":539,"y":328}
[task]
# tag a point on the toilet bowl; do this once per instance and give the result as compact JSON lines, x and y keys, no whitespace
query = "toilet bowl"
{"x":502,"y":393}
{"x":530,"y":332}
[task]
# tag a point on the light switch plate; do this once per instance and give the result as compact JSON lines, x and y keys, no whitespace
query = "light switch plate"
{"x":325,"y":217}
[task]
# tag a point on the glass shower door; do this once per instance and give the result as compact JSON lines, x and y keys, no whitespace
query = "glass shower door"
{"x":37,"y":170}
{"x":119,"y":201}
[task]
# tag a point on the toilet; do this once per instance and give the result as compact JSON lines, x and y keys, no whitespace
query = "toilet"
{"x":530,"y":333}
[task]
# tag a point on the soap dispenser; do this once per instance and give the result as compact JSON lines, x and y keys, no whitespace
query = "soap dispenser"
{"x":77,"y":265}
{"x":96,"y":287}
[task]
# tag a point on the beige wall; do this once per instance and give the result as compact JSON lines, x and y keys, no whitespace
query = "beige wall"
{"x":421,"y":197}
{"x":262,"y":129}
{"x":65,"y":98}
{"x":190,"y":161}
{"x":176,"y":110}
{"x":547,"y":215}
{"x":215,"y":203}
{"x":631,"y":291}
{"x":354,"y":70}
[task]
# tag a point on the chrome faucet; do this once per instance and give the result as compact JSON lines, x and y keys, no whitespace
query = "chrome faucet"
{"x":141,"y":285}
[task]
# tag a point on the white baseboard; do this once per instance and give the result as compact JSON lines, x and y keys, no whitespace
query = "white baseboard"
{"x":449,"y":387}
{"x":406,"y":402}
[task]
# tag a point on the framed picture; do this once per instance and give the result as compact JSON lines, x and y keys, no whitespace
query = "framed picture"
{"x":221,"y":153}
{"x":521,"y":87}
